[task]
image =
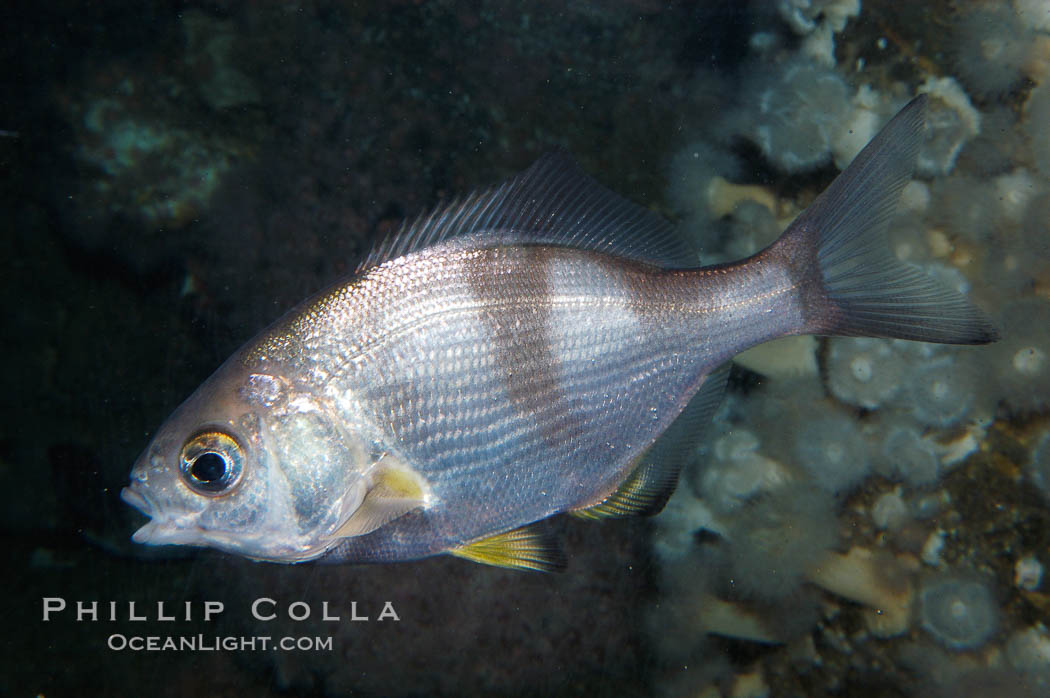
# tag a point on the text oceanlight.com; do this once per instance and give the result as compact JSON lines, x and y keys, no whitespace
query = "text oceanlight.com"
{"x":215,"y":643}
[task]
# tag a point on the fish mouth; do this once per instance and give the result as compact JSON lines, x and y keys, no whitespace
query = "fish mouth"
{"x":148,"y":533}
{"x":137,"y":500}
{"x":159,"y":530}
{"x":167,"y":533}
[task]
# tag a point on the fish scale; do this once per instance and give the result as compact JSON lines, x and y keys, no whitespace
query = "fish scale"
{"x":512,"y":356}
{"x":552,"y":422}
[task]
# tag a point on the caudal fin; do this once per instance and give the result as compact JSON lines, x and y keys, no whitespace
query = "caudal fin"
{"x":865,"y":289}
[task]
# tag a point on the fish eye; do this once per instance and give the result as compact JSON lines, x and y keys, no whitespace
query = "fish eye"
{"x":212,"y":463}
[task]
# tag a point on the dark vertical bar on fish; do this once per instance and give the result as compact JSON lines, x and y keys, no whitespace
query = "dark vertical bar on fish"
{"x":512,"y":356}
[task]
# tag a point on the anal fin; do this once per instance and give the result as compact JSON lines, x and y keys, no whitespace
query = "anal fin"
{"x":643,"y":493}
{"x":526,"y":548}
{"x":655,"y":474}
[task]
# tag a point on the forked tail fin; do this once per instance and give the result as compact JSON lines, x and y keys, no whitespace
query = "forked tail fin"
{"x":863,"y":290}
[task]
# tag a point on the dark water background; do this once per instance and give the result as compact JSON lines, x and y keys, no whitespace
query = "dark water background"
{"x":176,"y":175}
{"x":331,"y":122}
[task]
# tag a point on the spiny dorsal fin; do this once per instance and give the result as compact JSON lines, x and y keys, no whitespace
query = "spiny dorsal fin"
{"x":395,"y":492}
{"x":552,"y":202}
{"x":526,"y":548}
{"x":653,"y":480}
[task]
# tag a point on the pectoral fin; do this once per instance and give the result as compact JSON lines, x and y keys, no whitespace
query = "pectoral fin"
{"x":526,"y":548}
{"x":394,"y":492}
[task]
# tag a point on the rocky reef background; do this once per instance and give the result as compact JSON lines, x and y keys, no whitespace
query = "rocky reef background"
{"x":179,"y":174}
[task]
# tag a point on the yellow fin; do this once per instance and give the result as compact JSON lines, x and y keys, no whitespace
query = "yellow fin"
{"x":525,"y":548}
{"x":395,"y":492}
{"x":644,"y":492}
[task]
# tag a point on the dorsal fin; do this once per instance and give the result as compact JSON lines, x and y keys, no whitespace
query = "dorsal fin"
{"x":530,"y":547}
{"x":552,"y":202}
{"x":653,"y":480}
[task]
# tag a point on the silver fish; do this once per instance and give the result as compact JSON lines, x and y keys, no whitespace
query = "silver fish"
{"x":513,"y":356}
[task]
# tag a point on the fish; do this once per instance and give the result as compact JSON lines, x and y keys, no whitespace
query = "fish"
{"x":537,"y":348}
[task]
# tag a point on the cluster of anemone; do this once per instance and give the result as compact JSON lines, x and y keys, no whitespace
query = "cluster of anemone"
{"x":907,"y":236}
{"x":994,"y":150}
{"x":819,"y":442}
{"x":951,"y":122}
{"x":864,"y":372}
{"x":937,"y":387}
{"x":1038,"y":467}
{"x":1020,"y":361}
{"x":976,"y":213}
{"x":992,"y":46}
{"x":751,"y":227}
{"x":1013,"y":268}
{"x":1028,"y":651}
{"x":674,"y":535}
{"x":777,"y":538}
{"x":959,"y":612}
{"x":832,"y":451}
{"x":890,"y":511}
{"x":797,"y":114}
{"x":817,"y":22}
{"x":1034,"y":226}
{"x":1016,"y":191}
{"x":1036,"y":117}
{"x":906,"y":455}
{"x":965,"y":207}
{"x":869,"y":111}
{"x":735,"y":471}
{"x":690,"y":175}
{"x":943,"y":391}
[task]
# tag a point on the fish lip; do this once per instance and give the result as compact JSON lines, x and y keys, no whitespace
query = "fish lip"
{"x":167,"y":533}
{"x":138,"y":500}
{"x":148,"y":533}
{"x":160,"y":529}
